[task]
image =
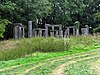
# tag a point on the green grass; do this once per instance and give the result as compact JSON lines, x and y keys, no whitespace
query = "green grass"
{"x":47,"y":65}
{"x":33,"y":50}
{"x":44,"y":70}
{"x":81,"y":68}
{"x":36,"y":57}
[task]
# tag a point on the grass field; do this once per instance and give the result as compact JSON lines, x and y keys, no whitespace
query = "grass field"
{"x":81,"y":51}
{"x":83,"y":68}
{"x":51,"y":66}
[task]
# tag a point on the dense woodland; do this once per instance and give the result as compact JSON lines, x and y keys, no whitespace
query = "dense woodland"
{"x":65,"y":12}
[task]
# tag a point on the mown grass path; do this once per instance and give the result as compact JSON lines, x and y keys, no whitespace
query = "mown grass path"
{"x":96,"y":66}
{"x":60,"y":69}
{"x":53,"y":66}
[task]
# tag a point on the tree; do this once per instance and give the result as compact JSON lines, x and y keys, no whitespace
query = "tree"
{"x":24,"y":10}
{"x":65,"y":12}
{"x":3,"y":24}
{"x":6,"y":7}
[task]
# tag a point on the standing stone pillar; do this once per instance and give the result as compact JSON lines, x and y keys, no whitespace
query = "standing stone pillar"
{"x":68,"y":32}
{"x":53,"y":31}
{"x":77,"y":31}
{"x":43,"y":33}
{"x":61,"y":35}
{"x":77,"y":24}
{"x":35,"y":33}
{"x":30,"y":29}
{"x":83,"y":30}
{"x":20,"y":32}
{"x":65,"y":34}
{"x":16,"y":32}
{"x":87,"y":29}
{"x":74,"y":31}
{"x":56,"y":34}
{"x":46,"y":31}
{"x":51,"y":34}
{"x":23,"y":29}
{"x":60,"y":31}
{"x":40,"y":32}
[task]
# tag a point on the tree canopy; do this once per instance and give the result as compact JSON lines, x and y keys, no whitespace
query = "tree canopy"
{"x":65,"y":12}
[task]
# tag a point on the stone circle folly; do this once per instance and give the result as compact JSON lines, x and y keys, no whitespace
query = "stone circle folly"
{"x":48,"y":31}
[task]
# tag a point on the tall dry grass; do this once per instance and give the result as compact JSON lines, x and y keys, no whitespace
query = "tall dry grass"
{"x":12,"y":49}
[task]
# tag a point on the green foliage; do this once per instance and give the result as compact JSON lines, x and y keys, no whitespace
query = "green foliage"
{"x":42,"y":8}
{"x":3,"y":24}
{"x":77,"y":24}
{"x":7,"y":9}
{"x":97,"y":29}
{"x":64,"y":12}
{"x":7,"y":6}
{"x":97,"y":16}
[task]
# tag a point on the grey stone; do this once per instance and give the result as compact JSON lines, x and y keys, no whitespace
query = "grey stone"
{"x":30,"y":29}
